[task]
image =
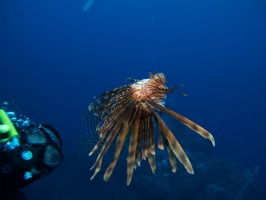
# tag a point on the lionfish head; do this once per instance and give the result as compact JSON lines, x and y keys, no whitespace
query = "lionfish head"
{"x":153,"y":89}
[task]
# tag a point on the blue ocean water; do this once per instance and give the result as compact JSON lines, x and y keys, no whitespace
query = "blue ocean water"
{"x":55,"y":56}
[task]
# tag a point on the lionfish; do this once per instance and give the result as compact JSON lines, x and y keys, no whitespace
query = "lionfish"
{"x":134,"y":109}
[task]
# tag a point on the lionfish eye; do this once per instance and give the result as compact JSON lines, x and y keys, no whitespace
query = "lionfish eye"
{"x":153,"y":97}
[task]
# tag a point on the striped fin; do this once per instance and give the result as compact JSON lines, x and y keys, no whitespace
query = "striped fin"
{"x":142,"y":138}
{"x":151,"y":136}
{"x":138,"y":152}
{"x":107,"y":99}
{"x":114,"y":91}
{"x":98,"y":168}
{"x":151,"y":154}
{"x":160,"y":139}
{"x":171,"y":155}
{"x":110,"y":138}
{"x":120,"y":141}
{"x":174,"y":144}
{"x":119,"y":101}
{"x":133,"y":146}
{"x":108,"y":122}
{"x":97,"y":145}
{"x":152,"y":162}
{"x":195,"y":127}
{"x":89,"y":119}
{"x":88,"y":143}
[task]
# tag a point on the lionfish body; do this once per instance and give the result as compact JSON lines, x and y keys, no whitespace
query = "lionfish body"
{"x":133,"y":109}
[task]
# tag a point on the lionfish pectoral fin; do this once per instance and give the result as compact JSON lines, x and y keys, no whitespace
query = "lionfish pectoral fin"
{"x":98,"y":168}
{"x":138,"y":160}
{"x":97,"y":145}
{"x":151,"y":136}
{"x":133,"y":146}
{"x":120,"y":142}
{"x":174,"y":144}
{"x":151,"y":145}
{"x":160,"y":139}
{"x":171,"y":155}
{"x":152,"y":162}
{"x":195,"y":127}
{"x":107,"y":144}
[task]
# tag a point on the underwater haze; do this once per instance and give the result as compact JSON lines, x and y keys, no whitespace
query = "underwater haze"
{"x":55,"y":56}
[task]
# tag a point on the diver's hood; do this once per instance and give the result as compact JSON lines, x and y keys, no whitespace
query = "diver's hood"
{"x":26,"y":157}
{"x":45,"y":135}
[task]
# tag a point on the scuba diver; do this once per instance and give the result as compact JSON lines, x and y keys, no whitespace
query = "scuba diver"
{"x":26,"y":154}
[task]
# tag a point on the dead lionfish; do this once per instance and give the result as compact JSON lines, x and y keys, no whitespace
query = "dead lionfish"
{"x":133,"y":109}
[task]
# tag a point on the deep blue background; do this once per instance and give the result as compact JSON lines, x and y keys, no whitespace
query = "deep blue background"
{"x":54,"y":58}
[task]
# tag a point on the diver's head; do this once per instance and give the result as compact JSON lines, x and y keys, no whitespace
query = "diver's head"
{"x":34,"y":152}
{"x":42,"y":145}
